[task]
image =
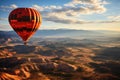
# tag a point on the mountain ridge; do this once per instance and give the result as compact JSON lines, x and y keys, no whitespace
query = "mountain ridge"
{"x":70,"y":33}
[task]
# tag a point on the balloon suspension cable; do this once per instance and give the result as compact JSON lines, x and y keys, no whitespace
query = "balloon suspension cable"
{"x":25,"y":43}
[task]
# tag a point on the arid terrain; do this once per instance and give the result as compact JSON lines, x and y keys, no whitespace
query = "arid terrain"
{"x":60,"y":58}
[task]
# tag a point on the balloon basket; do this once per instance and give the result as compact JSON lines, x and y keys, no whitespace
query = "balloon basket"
{"x":25,"y":43}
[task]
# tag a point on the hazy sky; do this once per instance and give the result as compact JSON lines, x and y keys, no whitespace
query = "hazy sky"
{"x":71,"y":14}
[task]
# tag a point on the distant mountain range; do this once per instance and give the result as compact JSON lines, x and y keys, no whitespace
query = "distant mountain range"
{"x":69,"y":33}
{"x":7,"y":34}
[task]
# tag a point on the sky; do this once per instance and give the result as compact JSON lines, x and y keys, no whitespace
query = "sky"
{"x":68,"y":14}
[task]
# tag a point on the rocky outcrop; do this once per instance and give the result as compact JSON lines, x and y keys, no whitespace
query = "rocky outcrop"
{"x":66,"y":67}
{"x":23,"y":68}
{"x":6,"y":53}
{"x":51,"y":66}
{"x":6,"y":76}
{"x":62,"y":67}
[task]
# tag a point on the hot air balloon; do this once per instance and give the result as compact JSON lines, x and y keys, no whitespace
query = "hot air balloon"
{"x":25,"y":22}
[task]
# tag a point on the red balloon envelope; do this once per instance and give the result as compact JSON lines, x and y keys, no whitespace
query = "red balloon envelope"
{"x":25,"y":21}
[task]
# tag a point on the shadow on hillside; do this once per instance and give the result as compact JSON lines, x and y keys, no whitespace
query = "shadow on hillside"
{"x":20,"y":49}
{"x":110,"y":53}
